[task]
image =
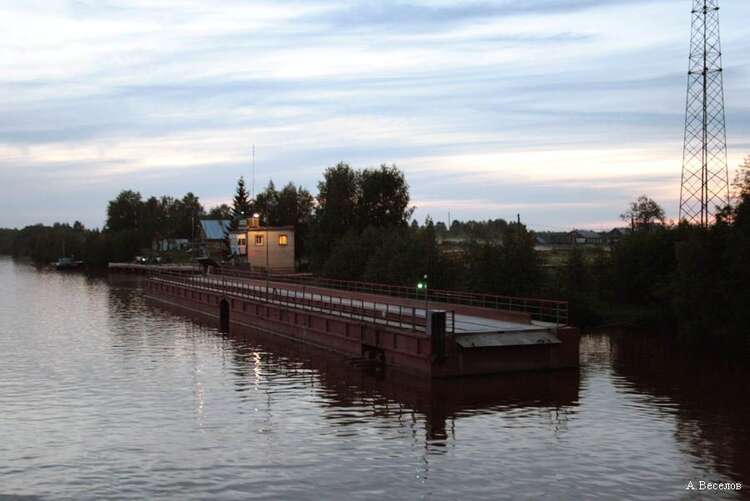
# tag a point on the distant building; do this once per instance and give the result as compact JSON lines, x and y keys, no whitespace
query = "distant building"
{"x":212,"y":237}
{"x":616,"y":235}
{"x":238,"y":239}
{"x":552,"y":239}
{"x":541,"y":243}
{"x":170,"y":244}
{"x":270,"y":247}
{"x":585,"y":237}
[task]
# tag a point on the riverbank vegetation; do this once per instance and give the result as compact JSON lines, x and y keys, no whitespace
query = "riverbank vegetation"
{"x":360,"y":227}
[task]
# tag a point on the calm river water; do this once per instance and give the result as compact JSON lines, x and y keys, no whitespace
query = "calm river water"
{"x":103,"y":396}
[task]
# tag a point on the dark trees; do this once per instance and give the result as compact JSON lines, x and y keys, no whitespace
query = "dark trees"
{"x":643,"y":264}
{"x":741,"y":182}
{"x":295,"y":208}
{"x":133,"y":224}
{"x":266,"y":204}
{"x":222,"y":211}
{"x":351,"y":201}
{"x":125,"y":211}
{"x":383,"y":198}
{"x":644,"y":214}
{"x":188,"y":210}
{"x":399,"y":255}
{"x":7,"y":238}
{"x":335,"y":215}
{"x":511,"y":267}
{"x":242,"y":207}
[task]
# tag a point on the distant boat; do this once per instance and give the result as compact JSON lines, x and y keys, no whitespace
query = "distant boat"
{"x":67,"y":263}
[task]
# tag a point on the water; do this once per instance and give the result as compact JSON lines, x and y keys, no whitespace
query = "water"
{"x":103,"y":396}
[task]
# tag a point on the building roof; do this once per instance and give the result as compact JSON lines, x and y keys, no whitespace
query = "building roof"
{"x":587,"y":234}
{"x":214,"y":229}
{"x":271,"y":228}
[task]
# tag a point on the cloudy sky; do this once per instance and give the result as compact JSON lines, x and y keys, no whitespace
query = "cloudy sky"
{"x":562,"y":110}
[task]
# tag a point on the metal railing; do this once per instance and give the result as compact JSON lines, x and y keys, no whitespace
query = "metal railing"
{"x":384,"y":313}
{"x":545,"y":310}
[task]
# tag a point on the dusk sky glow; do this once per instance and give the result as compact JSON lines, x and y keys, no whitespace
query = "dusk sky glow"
{"x":562,"y":110}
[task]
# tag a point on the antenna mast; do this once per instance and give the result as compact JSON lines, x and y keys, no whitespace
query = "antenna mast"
{"x":252,"y":186}
{"x":705,"y":174}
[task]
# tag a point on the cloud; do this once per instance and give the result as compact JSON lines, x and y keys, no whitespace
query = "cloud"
{"x":427,"y":15}
{"x":571,"y":104}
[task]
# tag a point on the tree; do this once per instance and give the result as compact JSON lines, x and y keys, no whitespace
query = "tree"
{"x":384,"y":198}
{"x":287,"y":209}
{"x":741,"y":182}
{"x":643,"y":263}
{"x":124,"y":212}
{"x":403,"y":254}
{"x":241,"y":205}
{"x":266,"y":204}
{"x":153,"y":221}
{"x":521,"y":264}
{"x":512,"y":267}
{"x":338,"y":198}
{"x":7,"y":240}
{"x":350,"y":254}
{"x":188,"y":212}
{"x":351,"y":200}
{"x":170,"y":216}
{"x":242,"y":208}
{"x":335,"y":214}
{"x":644,"y":213}
{"x":222,"y":211}
{"x":294,"y":207}
{"x":578,"y":287}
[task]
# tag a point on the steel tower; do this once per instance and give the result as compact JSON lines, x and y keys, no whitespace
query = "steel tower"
{"x":705,"y":174}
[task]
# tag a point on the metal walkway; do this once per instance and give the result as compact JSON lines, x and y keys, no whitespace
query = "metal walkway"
{"x":371,"y":308}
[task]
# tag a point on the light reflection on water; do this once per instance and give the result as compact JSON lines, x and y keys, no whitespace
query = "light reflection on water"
{"x":105,"y":396}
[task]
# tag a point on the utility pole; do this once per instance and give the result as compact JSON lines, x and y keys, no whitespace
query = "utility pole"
{"x":705,"y":173}
{"x":268,"y":269}
{"x":252,"y":188}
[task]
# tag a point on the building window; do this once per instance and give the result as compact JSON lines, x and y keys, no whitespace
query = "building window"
{"x":258,"y":240}
{"x":283,"y":240}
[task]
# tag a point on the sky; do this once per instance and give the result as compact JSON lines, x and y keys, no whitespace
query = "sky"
{"x":561,"y":110}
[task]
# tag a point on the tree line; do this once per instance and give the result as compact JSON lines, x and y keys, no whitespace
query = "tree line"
{"x":689,"y":278}
{"x":359,"y":227}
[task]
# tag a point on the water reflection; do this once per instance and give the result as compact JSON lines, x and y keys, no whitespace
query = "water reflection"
{"x":707,"y":392}
{"x":106,"y":396}
{"x":390,"y":393}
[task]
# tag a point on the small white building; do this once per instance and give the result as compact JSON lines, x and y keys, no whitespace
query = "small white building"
{"x":170,"y":244}
{"x":238,"y":243}
{"x":238,"y":239}
{"x":270,"y":247}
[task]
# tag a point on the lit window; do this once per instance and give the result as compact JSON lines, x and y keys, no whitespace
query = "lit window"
{"x":283,"y":240}
{"x":258,"y":239}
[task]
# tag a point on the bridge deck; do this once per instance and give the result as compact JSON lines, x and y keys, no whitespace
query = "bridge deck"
{"x":462,"y":319}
